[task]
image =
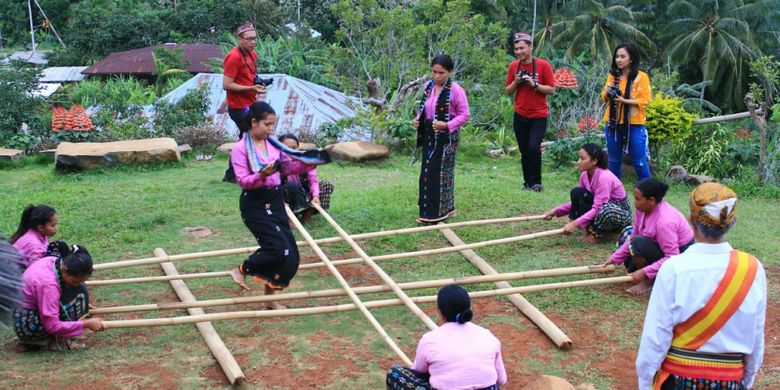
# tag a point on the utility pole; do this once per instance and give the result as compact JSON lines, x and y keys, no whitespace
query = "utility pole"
{"x":32,"y":30}
{"x":51,"y":25}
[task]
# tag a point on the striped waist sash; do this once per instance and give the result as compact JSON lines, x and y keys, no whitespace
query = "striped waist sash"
{"x":702,"y":365}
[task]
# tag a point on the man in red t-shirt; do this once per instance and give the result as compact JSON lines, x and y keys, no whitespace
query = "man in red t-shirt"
{"x":239,"y":70}
{"x":530,"y":80}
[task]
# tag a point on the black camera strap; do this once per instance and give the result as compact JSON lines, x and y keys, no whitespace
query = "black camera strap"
{"x":243,"y":55}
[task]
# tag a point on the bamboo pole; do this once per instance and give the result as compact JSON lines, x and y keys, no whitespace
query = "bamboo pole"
{"x":346,"y":287}
{"x":448,"y":249}
{"x":108,"y":282}
{"x":378,"y":270}
{"x":529,"y":310}
{"x":218,"y":348}
{"x":238,"y":251}
{"x":237,"y":315}
{"x":358,"y":290}
{"x":355,"y":260}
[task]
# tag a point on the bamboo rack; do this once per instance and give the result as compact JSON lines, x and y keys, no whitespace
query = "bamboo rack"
{"x":378,"y":270}
{"x":217,"y":347}
{"x":535,"y":315}
{"x":237,"y":315}
{"x":357,"y":302}
{"x":238,"y":251}
{"x":357,"y":290}
{"x":355,"y":260}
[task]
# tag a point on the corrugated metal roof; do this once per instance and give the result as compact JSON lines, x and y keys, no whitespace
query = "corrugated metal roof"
{"x":301,"y":106}
{"x":45,"y":89}
{"x":140,"y":61}
{"x":61,"y":74}
{"x":32,"y":57}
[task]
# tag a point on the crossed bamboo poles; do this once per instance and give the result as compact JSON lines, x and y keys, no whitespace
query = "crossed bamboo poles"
{"x":398,"y":289}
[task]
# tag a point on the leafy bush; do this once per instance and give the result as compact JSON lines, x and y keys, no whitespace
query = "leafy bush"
{"x":188,"y":111}
{"x":667,"y":120}
{"x":705,"y":152}
{"x":563,"y":152}
{"x":18,"y":107}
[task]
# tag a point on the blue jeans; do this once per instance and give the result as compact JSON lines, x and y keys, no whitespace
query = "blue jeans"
{"x":637,"y":149}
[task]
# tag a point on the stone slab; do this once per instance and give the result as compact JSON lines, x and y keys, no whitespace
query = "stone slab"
{"x":88,"y":155}
{"x":357,"y":151}
{"x":11,"y":154}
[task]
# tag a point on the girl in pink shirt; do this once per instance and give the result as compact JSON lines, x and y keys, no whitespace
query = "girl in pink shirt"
{"x":598,"y":203}
{"x":301,"y":191}
{"x":459,"y":355}
{"x":52,"y":303}
{"x":31,"y":239}
{"x":258,"y":161}
{"x":659,"y":232}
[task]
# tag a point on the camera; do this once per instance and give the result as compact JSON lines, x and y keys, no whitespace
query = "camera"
{"x":522,"y":73}
{"x":261,"y":81}
{"x":613,"y":92}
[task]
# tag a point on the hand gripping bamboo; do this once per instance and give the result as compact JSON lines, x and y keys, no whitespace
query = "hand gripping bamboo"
{"x":536,"y":316}
{"x":218,"y":348}
{"x":379,"y":271}
{"x":346,"y":287}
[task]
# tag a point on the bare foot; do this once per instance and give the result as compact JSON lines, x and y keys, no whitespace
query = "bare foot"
{"x":642,"y":287}
{"x":589,"y":239}
{"x":238,"y":277}
{"x":275,"y":306}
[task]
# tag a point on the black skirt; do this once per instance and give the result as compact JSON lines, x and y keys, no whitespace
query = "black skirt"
{"x":276,"y":261}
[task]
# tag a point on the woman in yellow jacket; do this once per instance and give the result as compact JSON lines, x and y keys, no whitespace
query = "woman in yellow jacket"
{"x":627,"y":94}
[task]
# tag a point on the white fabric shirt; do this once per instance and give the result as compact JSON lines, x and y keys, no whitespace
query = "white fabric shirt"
{"x":683,"y":286}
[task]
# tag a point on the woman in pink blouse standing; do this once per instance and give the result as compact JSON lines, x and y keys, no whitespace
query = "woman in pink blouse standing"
{"x":459,"y":355}
{"x":443,"y":111}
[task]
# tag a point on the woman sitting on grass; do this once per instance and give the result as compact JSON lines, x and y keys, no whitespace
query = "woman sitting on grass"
{"x":458,"y":355}
{"x":31,"y":240}
{"x":301,"y":191}
{"x":52,"y":303}
{"x":598,"y":204}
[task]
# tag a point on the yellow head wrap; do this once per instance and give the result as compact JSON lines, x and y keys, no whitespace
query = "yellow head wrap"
{"x":713,"y":204}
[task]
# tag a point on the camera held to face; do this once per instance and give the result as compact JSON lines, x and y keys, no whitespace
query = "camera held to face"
{"x":261,"y":81}
{"x":613,"y":92}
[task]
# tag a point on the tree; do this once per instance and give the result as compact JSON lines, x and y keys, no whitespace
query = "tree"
{"x":717,"y":36}
{"x":598,"y":28}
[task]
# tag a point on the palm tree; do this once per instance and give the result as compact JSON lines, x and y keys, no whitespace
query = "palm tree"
{"x":715,"y":34}
{"x":598,"y":28}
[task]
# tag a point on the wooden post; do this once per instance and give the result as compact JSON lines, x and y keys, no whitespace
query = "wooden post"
{"x":218,"y":348}
{"x":379,"y":271}
{"x":530,"y":311}
{"x":358,"y":290}
{"x":346,"y":287}
{"x":759,"y":117}
{"x":238,"y":315}
{"x":240,"y":251}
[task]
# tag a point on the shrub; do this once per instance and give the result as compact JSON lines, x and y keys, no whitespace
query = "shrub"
{"x":667,"y":120}
{"x":203,"y":136}
{"x":17,"y":107}
{"x":563,"y":152}
{"x":188,"y":111}
{"x":705,"y":152}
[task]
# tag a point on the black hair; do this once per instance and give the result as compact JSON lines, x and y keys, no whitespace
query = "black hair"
{"x":633,"y":53}
{"x":32,"y":217}
{"x":455,"y":304}
{"x":257,"y":111}
{"x":596,"y":152}
{"x":445,"y":61}
{"x":287,"y":136}
{"x":78,"y":262}
{"x":714,"y":233}
{"x":652,"y":188}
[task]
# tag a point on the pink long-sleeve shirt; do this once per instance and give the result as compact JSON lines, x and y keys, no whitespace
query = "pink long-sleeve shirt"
{"x":248,"y":180}
{"x":459,"y":107}
{"x":314,"y":182}
{"x":42,"y":291}
{"x":32,"y":246}
{"x":665,"y":225}
{"x":460,"y":357}
{"x":604,"y":185}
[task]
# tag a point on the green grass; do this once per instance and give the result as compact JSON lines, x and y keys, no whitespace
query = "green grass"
{"x":125,"y":213}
